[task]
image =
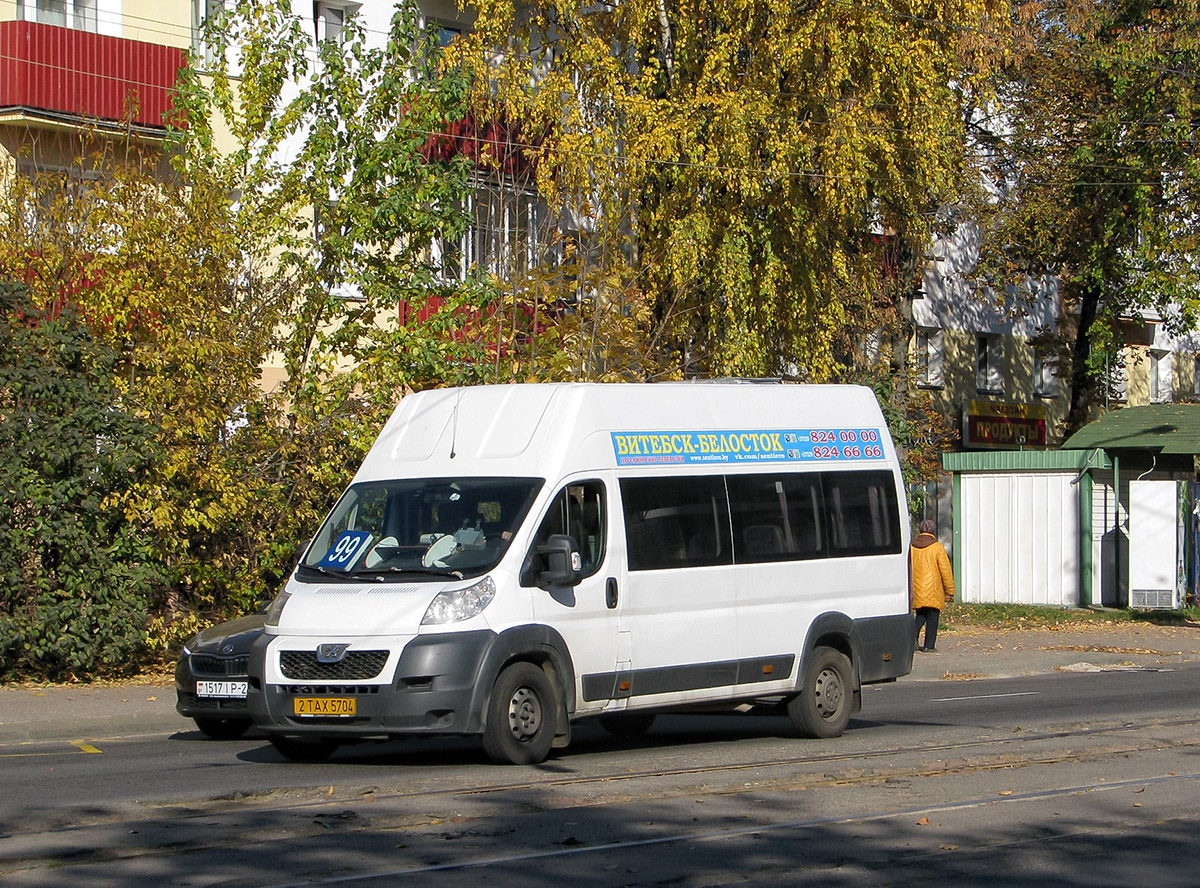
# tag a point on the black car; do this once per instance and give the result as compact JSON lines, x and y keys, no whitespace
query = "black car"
{"x":211,"y":677}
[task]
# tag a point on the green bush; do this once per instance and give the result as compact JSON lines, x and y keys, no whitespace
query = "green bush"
{"x":75,"y":579}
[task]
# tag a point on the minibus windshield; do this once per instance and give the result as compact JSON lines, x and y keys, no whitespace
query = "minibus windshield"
{"x":414,"y":528}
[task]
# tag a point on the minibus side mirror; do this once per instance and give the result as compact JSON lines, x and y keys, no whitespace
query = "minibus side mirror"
{"x":562,"y":562}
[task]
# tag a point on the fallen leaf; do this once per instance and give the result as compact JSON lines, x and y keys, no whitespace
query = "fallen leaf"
{"x":1143,"y":789}
{"x":949,"y":847}
{"x":1006,"y":792}
{"x":152,"y":699}
{"x":924,"y":821}
{"x":1137,"y":804}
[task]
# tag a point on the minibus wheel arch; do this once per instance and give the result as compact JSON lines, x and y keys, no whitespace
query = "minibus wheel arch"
{"x":831,"y":631}
{"x":543,"y":648}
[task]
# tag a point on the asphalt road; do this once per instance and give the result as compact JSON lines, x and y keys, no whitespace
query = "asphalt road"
{"x":1067,"y":778}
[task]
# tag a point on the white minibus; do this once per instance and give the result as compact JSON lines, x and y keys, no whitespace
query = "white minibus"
{"x":510,"y":560}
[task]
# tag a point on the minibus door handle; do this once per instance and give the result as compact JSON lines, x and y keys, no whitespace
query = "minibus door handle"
{"x":610,"y":593}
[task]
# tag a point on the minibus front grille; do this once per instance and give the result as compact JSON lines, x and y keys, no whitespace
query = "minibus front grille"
{"x":354,"y":666}
{"x":205,"y":664}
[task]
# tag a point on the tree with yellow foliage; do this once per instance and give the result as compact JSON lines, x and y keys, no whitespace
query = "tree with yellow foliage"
{"x":741,"y":168}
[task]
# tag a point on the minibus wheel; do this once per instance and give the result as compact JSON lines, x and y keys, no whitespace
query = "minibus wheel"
{"x":822,"y":708}
{"x":303,"y":750}
{"x":521,"y":716}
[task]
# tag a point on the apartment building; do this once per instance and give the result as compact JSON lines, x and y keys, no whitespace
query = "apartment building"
{"x":76,"y":71}
{"x":998,"y":362}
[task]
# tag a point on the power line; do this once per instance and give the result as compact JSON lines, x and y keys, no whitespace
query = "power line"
{"x":1000,"y":36}
{"x":864,"y":128}
{"x":725,"y":168}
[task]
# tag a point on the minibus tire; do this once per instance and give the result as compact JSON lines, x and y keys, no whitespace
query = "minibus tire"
{"x":304,"y":750}
{"x":223,"y":728}
{"x":822,"y":708}
{"x":521,"y":716}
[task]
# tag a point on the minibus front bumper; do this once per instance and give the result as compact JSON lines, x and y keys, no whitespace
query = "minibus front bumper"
{"x":438,"y":687}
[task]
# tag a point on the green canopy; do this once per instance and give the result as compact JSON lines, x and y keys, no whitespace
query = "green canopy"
{"x":1166,"y":428}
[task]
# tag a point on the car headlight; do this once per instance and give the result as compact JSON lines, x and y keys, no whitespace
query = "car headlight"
{"x":456,"y":605}
{"x":276,"y":608}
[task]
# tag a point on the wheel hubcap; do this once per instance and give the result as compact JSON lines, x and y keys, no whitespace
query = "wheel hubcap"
{"x":828,"y":693}
{"x":524,"y":714}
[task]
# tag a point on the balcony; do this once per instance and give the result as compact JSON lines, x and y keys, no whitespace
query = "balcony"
{"x":55,"y":74}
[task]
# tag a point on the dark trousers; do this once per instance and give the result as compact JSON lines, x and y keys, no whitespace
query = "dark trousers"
{"x":927,"y":617}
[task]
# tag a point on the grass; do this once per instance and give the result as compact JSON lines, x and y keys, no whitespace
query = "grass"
{"x":1024,"y":616}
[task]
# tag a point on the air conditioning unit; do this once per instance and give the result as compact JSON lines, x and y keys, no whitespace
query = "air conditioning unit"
{"x":1153,"y":599}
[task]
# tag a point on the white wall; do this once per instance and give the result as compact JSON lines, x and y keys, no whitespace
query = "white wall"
{"x":1019,"y":538}
{"x":955,"y":300}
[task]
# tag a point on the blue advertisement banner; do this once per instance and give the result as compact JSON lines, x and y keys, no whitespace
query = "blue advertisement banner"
{"x":751,"y":446}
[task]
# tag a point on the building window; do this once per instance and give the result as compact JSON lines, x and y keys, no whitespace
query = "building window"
{"x":329,"y":21}
{"x":1161,"y":376}
{"x":502,"y":235}
{"x":79,"y":15}
{"x":930,"y":357}
{"x":330,"y":234}
{"x":1115,"y":379}
{"x":204,"y":11}
{"x":989,"y":363}
{"x":1045,"y":374}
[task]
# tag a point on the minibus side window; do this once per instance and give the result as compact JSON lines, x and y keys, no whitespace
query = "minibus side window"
{"x":676,"y":522}
{"x":579,"y":510}
{"x":862,"y":513}
{"x":776,"y":517}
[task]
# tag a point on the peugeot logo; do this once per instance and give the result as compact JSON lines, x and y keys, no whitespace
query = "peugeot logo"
{"x":331,"y":653}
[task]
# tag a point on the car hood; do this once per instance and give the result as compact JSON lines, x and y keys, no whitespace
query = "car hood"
{"x":240,"y":633}
{"x":356,"y":609}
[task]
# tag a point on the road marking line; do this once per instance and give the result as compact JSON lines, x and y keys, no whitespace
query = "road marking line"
{"x":80,"y":745}
{"x":985,"y":697}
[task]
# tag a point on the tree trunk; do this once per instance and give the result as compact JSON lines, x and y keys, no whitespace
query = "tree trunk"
{"x":1083,"y":383}
{"x":666,"y":41}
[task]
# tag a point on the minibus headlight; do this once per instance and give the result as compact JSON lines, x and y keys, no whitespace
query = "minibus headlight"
{"x":456,"y":605}
{"x":276,"y":608}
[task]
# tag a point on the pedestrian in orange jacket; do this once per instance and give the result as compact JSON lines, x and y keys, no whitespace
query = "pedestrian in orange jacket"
{"x":931,"y":583}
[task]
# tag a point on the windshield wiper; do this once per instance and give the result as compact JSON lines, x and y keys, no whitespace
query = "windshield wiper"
{"x":426,"y":571}
{"x":338,"y":574}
